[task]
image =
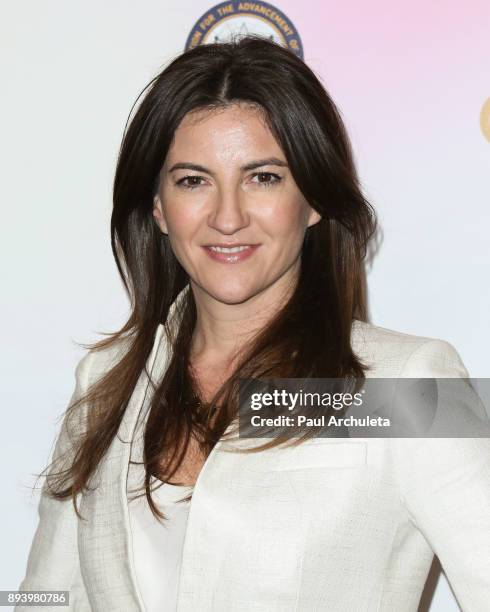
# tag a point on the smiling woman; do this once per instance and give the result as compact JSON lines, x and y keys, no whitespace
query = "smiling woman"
{"x":226,"y":195}
{"x":239,"y":229}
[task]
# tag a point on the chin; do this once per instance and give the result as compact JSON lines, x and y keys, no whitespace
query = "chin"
{"x":233,"y":294}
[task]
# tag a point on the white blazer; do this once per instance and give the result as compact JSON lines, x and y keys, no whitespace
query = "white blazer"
{"x":334,"y":524}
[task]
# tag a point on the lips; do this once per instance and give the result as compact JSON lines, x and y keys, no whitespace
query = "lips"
{"x":230,"y":253}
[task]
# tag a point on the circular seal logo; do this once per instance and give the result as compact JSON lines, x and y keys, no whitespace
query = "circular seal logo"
{"x":233,"y":20}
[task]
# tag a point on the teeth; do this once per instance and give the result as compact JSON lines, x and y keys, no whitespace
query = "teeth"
{"x":236,"y":249}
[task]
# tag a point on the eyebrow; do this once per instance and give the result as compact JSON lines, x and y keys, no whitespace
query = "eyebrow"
{"x":258,"y":163}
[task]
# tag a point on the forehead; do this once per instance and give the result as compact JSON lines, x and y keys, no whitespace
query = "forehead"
{"x":226,"y":133}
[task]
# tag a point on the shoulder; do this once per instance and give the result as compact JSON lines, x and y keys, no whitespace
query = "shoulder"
{"x":95,"y":363}
{"x":394,"y":353}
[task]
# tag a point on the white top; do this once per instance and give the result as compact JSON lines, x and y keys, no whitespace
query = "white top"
{"x":157,"y":545}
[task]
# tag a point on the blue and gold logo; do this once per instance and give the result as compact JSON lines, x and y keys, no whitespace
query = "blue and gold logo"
{"x":231,"y":20}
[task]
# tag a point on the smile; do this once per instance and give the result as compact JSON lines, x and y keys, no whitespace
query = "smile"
{"x":236,"y":249}
{"x":232,"y":254}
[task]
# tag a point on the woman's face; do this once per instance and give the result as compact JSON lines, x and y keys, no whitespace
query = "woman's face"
{"x":226,"y":183}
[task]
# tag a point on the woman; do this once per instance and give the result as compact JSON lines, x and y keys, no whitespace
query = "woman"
{"x":239,"y":229}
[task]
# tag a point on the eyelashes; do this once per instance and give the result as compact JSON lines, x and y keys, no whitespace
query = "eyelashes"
{"x":181,"y":182}
{"x":192,"y":181}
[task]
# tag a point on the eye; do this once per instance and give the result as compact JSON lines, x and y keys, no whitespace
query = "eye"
{"x":266,"y":179}
{"x":190,"y":182}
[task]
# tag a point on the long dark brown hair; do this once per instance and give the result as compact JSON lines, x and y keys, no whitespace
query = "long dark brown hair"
{"x":309,"y":337}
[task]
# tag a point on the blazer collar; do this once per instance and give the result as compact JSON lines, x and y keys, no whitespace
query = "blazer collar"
{"x":105,"y":538}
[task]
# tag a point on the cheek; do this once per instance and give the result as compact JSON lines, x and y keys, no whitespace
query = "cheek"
{"x":182,"y":220}
{"x":287,"y":217}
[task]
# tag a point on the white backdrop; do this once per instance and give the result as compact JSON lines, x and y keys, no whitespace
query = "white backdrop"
{"x":410,"y":82}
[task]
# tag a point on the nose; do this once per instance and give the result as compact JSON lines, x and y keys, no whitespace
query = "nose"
{"x":229,"y":213}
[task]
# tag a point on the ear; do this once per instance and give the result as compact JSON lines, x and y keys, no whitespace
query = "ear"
{"x":313,"y":217}
{"x":158,"y":214}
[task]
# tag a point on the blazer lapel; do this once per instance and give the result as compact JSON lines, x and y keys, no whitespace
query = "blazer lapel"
{"x":105,"y":538}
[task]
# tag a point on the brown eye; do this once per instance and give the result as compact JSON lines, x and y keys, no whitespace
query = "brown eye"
{"x":190,"y":182}
{"x":266,"y":178}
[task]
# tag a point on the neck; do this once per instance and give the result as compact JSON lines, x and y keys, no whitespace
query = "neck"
{"x":223,"y":329}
